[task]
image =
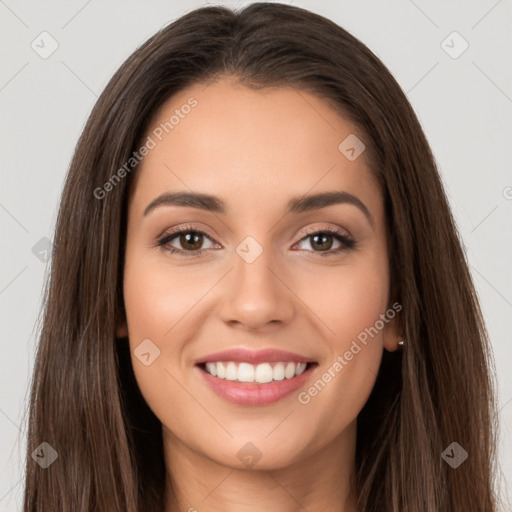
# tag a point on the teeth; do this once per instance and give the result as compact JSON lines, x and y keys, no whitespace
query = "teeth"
{"x":221,"y":371}
{"x":211,"y":368}
{"x":245,"y":372}
{"x":231,"y":371}
{"x":260,"y":374}
{"x":264,"y":373}
{"x":289,"y":372}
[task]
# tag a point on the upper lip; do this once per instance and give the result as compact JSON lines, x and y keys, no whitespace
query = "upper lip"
{"x":243,"y":355}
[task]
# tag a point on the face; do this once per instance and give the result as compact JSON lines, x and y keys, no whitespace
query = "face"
{"x":258,"y":270}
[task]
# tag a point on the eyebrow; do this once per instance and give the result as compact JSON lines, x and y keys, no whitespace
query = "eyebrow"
{"x":295,"y":205}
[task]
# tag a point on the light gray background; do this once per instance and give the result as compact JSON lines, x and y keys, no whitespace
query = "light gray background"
{"x":464,"y":105}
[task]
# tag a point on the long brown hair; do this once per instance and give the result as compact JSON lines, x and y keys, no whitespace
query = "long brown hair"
{"x":84,"y":399}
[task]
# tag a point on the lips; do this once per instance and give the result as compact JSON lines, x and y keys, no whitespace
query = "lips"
{"x":253,"y":378}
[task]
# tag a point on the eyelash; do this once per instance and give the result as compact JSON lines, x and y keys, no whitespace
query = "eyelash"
{"x":346,"y":241}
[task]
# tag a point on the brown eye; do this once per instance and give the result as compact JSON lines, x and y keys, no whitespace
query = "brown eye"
{"x":189,"y":241}
{"x":321,"y":242}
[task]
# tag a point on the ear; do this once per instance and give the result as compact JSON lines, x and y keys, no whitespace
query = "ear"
{"x":391,"y":334}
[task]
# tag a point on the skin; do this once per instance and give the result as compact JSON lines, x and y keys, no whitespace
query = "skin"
{"x":256,"y":150}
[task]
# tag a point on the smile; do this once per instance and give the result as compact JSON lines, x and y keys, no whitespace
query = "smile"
{"x":264,"y":384}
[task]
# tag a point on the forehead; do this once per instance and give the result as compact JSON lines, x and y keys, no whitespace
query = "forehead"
{"x":227,"y":139}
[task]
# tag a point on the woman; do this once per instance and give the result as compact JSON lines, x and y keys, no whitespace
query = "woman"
{"x":205,"y":345}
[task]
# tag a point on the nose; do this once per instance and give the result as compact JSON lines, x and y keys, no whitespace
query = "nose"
{"x":256,"y":294}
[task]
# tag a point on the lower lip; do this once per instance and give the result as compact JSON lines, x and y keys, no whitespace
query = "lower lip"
{"x":255,"y":394}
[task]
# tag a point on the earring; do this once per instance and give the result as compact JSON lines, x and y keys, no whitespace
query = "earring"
{"x":401,"y":342}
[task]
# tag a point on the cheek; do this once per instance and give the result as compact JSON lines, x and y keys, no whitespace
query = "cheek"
{"x":362,"y":297}
{"x":156,"y":298}
{"x":351,"y":304}
{"x":349,"y":299}
{"x":159,"y":305}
